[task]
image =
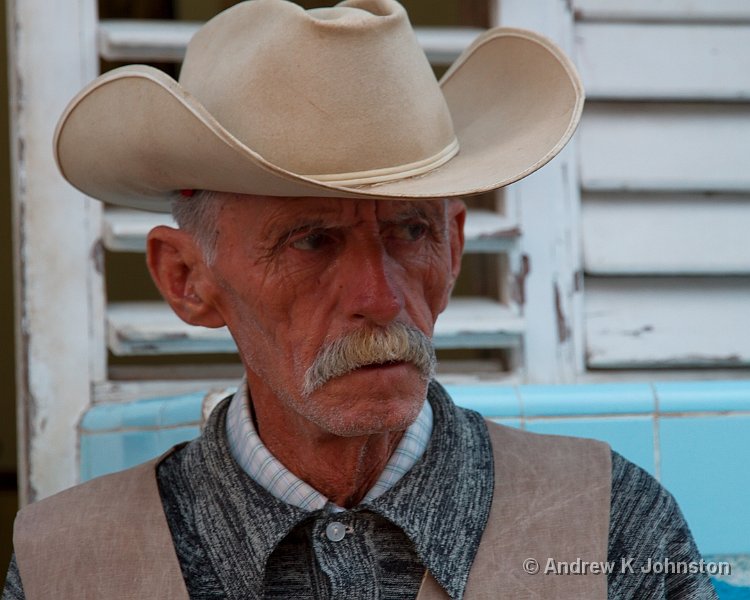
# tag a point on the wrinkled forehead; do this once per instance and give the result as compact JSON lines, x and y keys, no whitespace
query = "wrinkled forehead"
{"x":263,"y":210}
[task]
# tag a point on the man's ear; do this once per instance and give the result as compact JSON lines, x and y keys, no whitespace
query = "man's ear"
{"x":456,"y":220}
{"x":179,"y":270}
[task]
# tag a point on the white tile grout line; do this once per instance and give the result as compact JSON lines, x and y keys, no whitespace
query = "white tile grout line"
{"x":657,"y":437}
{"x":521,"y":407}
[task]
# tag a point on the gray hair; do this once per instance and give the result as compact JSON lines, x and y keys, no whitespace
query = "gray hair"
{"x":198,"y":215}
{"x":395,"y":343}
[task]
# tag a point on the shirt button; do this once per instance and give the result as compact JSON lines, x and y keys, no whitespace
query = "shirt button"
{"x":335,"y":531}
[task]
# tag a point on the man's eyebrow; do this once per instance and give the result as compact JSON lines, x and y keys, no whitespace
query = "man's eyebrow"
{"x":279,"y":234}
{"x":282,"y":225}
{"x":413,"y":211}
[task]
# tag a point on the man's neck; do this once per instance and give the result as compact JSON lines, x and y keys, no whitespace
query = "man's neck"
{"x":341,"y":468}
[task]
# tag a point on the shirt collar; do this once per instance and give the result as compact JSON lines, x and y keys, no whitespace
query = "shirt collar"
{"x":270,"y":473}
{"x":442,"y":503}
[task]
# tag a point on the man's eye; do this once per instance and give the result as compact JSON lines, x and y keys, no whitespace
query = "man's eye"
{"x":312,"y":241}
{"x":411,"y":232}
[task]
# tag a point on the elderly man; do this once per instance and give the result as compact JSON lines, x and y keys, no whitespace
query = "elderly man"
{"x":328,"y":243}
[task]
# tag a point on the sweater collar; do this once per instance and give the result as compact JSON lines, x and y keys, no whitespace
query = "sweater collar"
{"x":441,"y":504}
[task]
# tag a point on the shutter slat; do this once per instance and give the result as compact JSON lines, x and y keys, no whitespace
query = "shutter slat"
{"x":664,"y":61}
{"x":667,"y":322}
{"x":665,"y":147}
{"x":166,"y":41}
{"x":136,"y":40}
{"x":666,"y":234}
{"x":663,"y":10}
{"x":489,"y":232}
{"x":125,"y":230}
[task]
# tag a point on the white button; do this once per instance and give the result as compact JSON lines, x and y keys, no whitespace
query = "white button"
{"x":335,"y":531}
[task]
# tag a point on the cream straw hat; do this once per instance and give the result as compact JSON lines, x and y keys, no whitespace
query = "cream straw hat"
{"x":336,"y":102}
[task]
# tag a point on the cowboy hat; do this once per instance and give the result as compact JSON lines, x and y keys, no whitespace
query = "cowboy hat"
{"x":335,"y":102}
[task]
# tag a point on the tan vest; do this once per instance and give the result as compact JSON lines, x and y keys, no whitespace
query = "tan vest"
{"x":109,"y":538}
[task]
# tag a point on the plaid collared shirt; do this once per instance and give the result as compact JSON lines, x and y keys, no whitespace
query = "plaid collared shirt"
{"x":257,"y":461}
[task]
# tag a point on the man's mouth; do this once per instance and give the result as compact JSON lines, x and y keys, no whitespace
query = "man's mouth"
{"x":382,"y":365}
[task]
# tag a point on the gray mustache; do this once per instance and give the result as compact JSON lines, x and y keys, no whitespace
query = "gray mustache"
{"x":396,"y":343}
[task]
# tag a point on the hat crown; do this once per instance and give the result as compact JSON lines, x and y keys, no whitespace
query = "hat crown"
{"x":340,"y":90}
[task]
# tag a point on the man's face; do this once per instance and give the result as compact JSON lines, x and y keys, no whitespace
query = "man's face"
{"x":291,"y":275}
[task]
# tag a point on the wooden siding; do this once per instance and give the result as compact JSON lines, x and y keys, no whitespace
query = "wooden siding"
{"x":663,"y":10}
{"x":668,"y":147}
{"x":667,"y":322}
{"x":664,"y":61}
{"x":665,"y":169}
{"x":126,"y":40}
{"x":59,"y":294}
{"x":666,"y":234}
{"x":547,"y":267}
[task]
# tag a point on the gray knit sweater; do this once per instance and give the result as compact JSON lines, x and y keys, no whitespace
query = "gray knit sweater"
{"x":234,"y":540}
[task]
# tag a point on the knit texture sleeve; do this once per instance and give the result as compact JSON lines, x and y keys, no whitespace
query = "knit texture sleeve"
{"x":649,"y":541}
{"x":13,"y":589}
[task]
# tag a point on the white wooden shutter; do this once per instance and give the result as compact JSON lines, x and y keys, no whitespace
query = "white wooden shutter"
{"x":59,"y":291}
{"x":665,"y":177}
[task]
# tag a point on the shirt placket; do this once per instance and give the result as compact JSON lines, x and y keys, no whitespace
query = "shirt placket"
{"x":343,"y":548}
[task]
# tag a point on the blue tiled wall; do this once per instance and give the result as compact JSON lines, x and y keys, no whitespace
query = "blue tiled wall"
{"x":118,"y":436}
{"x":694,"y":437}
{"x":705,"y":464}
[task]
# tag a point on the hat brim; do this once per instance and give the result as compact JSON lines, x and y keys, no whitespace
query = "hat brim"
{"x":514,"y":97}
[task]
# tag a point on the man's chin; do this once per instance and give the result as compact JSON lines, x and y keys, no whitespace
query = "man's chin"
{"x":372,"y":399}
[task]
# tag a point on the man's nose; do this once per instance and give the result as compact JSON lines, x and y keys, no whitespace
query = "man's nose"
{"x":369,"y":284}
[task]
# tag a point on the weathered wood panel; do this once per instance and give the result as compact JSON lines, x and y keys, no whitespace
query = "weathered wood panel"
{"x":129,"y":40}
{"x":664,"y":61}
{"x":663,"y":10}
{"x":489,"y":232}
{"x":126,"y":230}
{"x":130,"y":391}
{"x":52,"y":54}
{"x":667,"y":322}
{"x":146,"y":328}
{"x":547,"y":265}
{"x":626,"y":234}
{"x":140,"y":40}
{"x":668,"y":147}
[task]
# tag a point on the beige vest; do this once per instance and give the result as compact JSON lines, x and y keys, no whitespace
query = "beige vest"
{"x":109,"y":538}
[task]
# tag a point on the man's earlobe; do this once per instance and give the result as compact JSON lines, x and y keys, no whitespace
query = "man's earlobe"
{"x":180,"y":273}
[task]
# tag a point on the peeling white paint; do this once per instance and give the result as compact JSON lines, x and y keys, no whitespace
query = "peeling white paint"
{"x":52,"y":246}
